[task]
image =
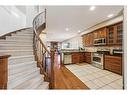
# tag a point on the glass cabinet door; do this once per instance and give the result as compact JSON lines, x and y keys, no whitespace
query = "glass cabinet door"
{"x":119,"y":33}
{"x":111,"y":35}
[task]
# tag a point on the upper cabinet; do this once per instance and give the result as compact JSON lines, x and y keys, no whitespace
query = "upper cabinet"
{"x":88,"y":39}
{"x":114,"y":34}
{"x":109,"y":35}
{"x":100,"y":33}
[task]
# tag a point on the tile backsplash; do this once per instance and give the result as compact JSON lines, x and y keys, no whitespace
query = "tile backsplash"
{"x":103,"y":48}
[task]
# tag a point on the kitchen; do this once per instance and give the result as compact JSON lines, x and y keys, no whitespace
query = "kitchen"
{"x":90,"y":48}
{"x":101,"y":48}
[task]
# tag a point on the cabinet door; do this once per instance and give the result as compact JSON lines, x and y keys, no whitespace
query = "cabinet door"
{"x":88,"y":57}
{"x":95,"y":35}
{"x":113,"y":64}
{"x":88,"y":39}
{"x":111,"y":30}
{"x":81,"y":59}
{"x":75,"y":58}
{"x":102,"y":33}
{"x":119,"y":34}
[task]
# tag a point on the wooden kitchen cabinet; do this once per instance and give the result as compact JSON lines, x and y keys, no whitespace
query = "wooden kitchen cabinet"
{"x":115,"y":34}
{"x":113,"y":63}
{"x":88,"y":39}
{"x":99,"y":33}
{"x":119,"y":34}
{"x":87,"y":57}
{"x":112,"y":34}
{"x":77,"y":57}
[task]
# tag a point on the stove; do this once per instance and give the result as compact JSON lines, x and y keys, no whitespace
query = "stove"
{"x":98,"y":58}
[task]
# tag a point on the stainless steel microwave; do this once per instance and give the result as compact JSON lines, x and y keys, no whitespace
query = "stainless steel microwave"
{"x":100,"y":41}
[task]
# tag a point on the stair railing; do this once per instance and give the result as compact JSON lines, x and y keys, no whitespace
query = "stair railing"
{"x":40,"y":50}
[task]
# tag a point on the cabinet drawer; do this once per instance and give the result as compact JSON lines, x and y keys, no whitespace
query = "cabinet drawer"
{"x":113,"y":67}
{"x":113,"y":63}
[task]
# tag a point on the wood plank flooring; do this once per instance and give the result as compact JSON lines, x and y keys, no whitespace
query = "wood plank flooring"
{"x":64,"y":79}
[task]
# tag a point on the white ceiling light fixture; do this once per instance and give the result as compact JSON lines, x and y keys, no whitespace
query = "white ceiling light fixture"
{"x":110,"y":15}
{"x":92,"y":8}
{"x":67,"y":29}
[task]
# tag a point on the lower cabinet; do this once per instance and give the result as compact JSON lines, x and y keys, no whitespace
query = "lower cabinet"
{"x":80,"y":57}
{"x":113,"y":63}
{"x":87,"y":57}
{"x":77,"y":57}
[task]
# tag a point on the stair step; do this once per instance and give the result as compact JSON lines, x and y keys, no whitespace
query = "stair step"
{"x":25,"y":32}
{"x":17,"y":52}
{"x":32,"y":83}
{"x":22,"y":79}
{"x":21,"y":34}
{"x":44,"y":85}
{"x":15,"y":47}
{"x":20,"y":67}
{"x":21,"y":42}
{"x":15,"y":76}
{"x":19,"y":38}
{"x":20,"y":59}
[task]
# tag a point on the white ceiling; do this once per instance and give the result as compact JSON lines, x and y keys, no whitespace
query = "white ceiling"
{"x":75,"y":18}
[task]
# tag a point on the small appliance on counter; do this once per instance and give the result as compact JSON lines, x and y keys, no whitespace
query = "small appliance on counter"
{"x":117,"y":52}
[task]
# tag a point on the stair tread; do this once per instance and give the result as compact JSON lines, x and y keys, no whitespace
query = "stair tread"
{"x":13,"y":57}
{"x":14,"y":76}
{"x":29,"y":83}
{"x":19,"y":45}
{"x":23,"y":78}
{"x":44,"y":85}
{"x":14,"y":50}
{"x":25,"y":66}
{"x":20,"y":64}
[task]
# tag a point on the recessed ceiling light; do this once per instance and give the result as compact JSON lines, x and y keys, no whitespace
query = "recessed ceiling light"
{"x":79,"y":31}
{"x":92,"y":8}
{"x":110,"y":15}
{"x":67,"y":29}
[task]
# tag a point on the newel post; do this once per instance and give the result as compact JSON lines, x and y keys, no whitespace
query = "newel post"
{"x":3,"y":71}
{"x":52,"y":70}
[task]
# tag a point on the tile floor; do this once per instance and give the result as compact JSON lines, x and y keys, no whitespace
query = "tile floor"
{"x":96,"y":78}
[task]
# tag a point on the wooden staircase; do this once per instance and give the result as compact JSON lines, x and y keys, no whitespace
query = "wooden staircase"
{"x":28,"y":57}
{"x":23,"y":72}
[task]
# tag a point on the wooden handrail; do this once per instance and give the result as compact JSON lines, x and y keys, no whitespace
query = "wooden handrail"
{"x":41,"y":42}
{"x":35,"y":31}
{"x":40,"y":50}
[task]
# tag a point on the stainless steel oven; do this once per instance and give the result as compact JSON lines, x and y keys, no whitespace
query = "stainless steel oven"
{"x":97,"y":60}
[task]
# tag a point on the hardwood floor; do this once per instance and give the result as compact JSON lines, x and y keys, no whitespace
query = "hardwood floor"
{"x":64,"y":79}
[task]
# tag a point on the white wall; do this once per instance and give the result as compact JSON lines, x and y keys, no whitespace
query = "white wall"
{"x":31,"y":12}
{"x":125,"y":47}
{"x":11,"y":19}
{"x":75,"y":42}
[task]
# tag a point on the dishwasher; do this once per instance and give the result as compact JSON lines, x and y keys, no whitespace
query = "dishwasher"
{"x":67,"y":58}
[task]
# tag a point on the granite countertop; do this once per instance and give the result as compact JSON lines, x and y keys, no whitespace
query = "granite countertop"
{"x":71,"y":51}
